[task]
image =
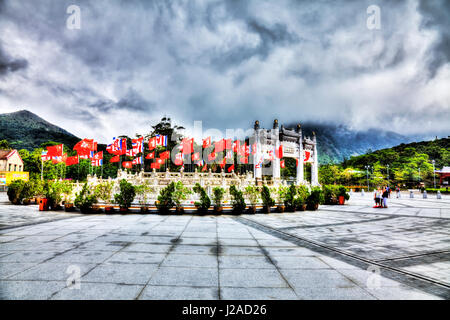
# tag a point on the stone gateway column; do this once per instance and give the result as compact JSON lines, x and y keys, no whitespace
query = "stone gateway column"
{"x":276,"y":174}
{"x":257,"y":172}
{"x":300,"y":178}
{"x":315,"y":165}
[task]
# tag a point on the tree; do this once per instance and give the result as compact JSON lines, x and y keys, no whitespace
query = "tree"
{"x":4,"y":145}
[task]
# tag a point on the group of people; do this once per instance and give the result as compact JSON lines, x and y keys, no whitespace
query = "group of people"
{"x":381,"y":195}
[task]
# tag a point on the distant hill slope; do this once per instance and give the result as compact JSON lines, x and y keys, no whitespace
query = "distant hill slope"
{"x":336,"y":142}
{"x":25,"y":130}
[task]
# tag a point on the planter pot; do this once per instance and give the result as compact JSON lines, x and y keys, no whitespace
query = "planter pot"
{"x":69,"y":207}
{"x":251,"y":210}
{"x":109,"y":209}
{"x":218,"y":210}
{"x":267,"y":209}
{"x":86,"y":210}
{"x":163,"y":211}
{"x":341,"y":200}
{"x":144,"y":209}
{"x":123,"y":210}
{"x":55,"y":207}
{"x":313,"y":207}
{"x":280,"y":209}
{"x":201,"y":211}
{"x":43,"y":204}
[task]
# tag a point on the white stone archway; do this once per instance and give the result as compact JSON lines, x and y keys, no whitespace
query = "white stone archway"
{"x":303,"y":149}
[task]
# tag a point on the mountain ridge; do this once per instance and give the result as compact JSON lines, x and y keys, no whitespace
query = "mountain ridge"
{"x":26,"y":130}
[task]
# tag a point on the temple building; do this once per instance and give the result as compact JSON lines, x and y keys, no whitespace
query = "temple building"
{"x":444,"y":176}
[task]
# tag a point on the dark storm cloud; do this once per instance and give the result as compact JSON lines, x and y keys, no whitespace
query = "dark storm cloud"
{"x":271,"y":37}
{"x":437,"y":17}
{"x":9,"y":64}
{"x":227,"y":63}
{"x":132,"y":101}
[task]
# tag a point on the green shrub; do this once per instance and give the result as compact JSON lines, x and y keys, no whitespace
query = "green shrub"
{"x":266,"y":198}
{"x":252,"y":194}
{"x":330,"y":194}
{"x":302,"y":196}
{"x":315,"y":198}
{"x":180,"y":193}
{"x":280,"y":193}
{"x":343,"y":192}
{"x":205,"y":202}
{"x":238,"y":201}
{"x":14,"y":193}
{"x":126,"y":195}
{"x":165,"y":202}
{"x":53,"y":191}
{"x":218,"y":194}
{"x":85,"y":199}
{"x":104,"y":191}
{"x":289,"y":199}
{"x":66,"y":190}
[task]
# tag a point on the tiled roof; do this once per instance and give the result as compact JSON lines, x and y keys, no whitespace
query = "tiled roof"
{"x":4,"y":154}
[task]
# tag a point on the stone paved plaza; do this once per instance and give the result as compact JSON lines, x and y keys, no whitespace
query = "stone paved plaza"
{"x":339,"y":252}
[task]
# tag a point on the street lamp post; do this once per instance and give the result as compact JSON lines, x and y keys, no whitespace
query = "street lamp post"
{"x":367,"y":175}
{"x":434,"y":175}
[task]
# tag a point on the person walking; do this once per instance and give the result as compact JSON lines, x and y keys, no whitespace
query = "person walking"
{"x":398,"y":191}
{"x":385,"y":196}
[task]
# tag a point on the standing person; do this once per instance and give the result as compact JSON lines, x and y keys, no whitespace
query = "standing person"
{"x":377,"y":198}
{"x":385,"y":196}
{"x":389,"y":191}
{"x":398,"y":191}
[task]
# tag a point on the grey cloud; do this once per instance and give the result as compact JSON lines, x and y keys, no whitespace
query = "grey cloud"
{"x":131,"y":101}
{"x":437,"y":17}
{"x":9,"y":64}
{"x":229,"y":62}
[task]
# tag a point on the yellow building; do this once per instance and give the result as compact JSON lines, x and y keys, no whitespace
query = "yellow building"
{"x":11,"y":167}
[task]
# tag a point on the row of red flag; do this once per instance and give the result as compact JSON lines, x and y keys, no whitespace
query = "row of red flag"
{"x":86,"y":148}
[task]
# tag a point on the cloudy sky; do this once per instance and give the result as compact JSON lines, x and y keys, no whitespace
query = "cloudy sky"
{"x":227,"y":63}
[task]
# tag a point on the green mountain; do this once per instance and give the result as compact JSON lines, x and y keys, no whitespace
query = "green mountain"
{"x":25,"y":130}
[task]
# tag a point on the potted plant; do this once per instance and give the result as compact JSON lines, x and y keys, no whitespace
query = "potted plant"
{"x":142,"y":192}
{"x":280,"y":198}
{"x":204,"y":203}
{"x":15,"y":191}
{"x":314,"y":199}
{"x":38,"y":190}
{"x":85,"y":199}
{"x":165,"y":202}
{"x":300,"y":200}
{"x":267,"y":200}
{"x":180,"y":194}
{"x":343,"y":195}
{"x":237,"y":201}
{"x":330,"y":193}
{"x":291,"y":192}
{"x":126,"y":195}
{"x":218,"y":194}
{"x":53,"y":192}
{"x":104,"y":192}
{"x":253,"y":195}
{"x":66,"y":189}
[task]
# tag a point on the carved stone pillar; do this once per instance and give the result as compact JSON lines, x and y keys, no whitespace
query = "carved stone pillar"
{"x":300,"y":178}
{"x":315,"y":165}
